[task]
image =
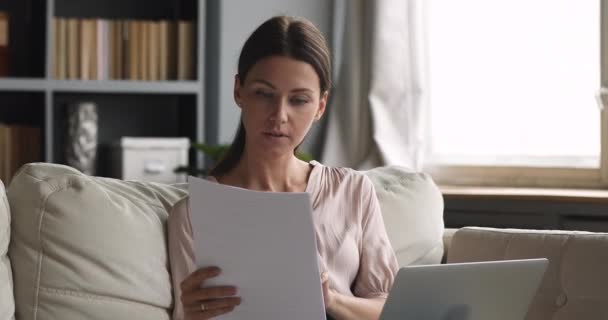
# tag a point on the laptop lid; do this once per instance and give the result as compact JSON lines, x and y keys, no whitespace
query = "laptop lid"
{"x":497,"y":290}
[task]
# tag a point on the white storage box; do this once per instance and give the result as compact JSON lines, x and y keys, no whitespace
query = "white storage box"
{"x":150,"y":159}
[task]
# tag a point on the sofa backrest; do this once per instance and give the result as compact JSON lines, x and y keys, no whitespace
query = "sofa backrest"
{"x":574,"y":285}
{"x":412,"y":208}
{"x":89,"y":248}
{"x":94,"y":248}
{"x":7,"y":303}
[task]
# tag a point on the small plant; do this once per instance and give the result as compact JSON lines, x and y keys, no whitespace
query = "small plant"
{"x":215,"y":154}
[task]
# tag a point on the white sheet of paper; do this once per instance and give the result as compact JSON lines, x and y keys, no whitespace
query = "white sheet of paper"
{"x":264,"y":243}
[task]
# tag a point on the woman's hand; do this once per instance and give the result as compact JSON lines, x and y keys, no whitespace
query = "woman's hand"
{"x":206,"y":303}
{"x":329,"y":295}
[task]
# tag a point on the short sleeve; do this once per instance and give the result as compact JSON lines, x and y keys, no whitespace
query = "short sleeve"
{"x":181,"y":251}
{"x":378,"y":264}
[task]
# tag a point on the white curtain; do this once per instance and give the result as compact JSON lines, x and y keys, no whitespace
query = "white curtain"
{"x":378,"y":112}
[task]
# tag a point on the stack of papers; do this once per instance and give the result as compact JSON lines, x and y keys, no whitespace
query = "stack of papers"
{"x":264,"y":242}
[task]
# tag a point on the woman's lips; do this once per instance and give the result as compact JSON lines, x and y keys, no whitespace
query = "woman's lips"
{"x":276,"y":134}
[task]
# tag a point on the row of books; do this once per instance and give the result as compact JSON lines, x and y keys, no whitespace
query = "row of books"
{"x":3,"y":44}
{"x":18,"y":145}
{"x":99,"y":49}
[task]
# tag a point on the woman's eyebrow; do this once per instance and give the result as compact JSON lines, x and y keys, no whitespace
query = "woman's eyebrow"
{"x":301,"y":90}
{"x":264,"y":82}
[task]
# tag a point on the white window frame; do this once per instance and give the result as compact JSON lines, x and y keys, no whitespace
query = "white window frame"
{"x":541,"y":177}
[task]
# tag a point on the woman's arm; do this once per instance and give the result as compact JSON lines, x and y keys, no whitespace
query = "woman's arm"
{"x":377,"y":266}
{"x":349,"y":307}
{"x":340,"y":306}
{"x":181,"y":252}
{"x":190,"y":300}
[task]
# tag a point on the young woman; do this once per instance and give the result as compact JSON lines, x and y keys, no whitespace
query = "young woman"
{"x":282,"y":88}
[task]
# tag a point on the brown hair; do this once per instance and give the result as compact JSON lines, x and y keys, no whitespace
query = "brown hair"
{"x":279,"y":36}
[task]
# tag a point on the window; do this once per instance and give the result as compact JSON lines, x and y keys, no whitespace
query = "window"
{"x":513,"y":89}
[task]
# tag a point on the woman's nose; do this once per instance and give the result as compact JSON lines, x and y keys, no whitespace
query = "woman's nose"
{"x":279,"y":113}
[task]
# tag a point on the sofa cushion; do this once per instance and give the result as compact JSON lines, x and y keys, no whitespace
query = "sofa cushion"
{"x":412,"y":208}
{"x":574,"y":286}
{"x":7,"y":303}
{"x":448,"y":234}
{"x":89,"y":248}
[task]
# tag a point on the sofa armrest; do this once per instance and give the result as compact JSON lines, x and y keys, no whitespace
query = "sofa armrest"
{"x":574,"y":285}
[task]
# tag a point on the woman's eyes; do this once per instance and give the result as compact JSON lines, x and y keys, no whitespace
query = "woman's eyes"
{"x":294,"y":100}
{"x":264,"y":94}
{"x":299,"y":101}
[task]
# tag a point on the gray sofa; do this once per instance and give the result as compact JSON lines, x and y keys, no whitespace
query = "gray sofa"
{"x":85,"y":247}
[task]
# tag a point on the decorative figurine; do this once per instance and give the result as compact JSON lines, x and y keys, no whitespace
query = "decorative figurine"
{"x":81,"y":150}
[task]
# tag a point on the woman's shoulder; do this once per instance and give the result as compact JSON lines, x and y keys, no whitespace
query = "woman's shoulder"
{"x":179,"y":214}
{"x":180,"y":209}
{"x":344,"y":175}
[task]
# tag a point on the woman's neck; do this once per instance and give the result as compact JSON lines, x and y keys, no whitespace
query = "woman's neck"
{"x":276,"y":174}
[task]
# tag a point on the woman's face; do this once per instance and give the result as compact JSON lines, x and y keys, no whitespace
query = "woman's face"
{"x":279,"y":101}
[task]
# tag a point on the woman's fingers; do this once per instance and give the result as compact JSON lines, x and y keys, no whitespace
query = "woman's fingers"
{"x":195,"y":280}
{"x":211,"y":305}
{"x":214,"y":313}
{"x":206,"y":302}
{"x":325,"y":286}
{"x":211,"y":293}
{"x":324,"y":281}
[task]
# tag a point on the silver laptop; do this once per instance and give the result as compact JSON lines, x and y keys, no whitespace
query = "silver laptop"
{"x":495,"y":290}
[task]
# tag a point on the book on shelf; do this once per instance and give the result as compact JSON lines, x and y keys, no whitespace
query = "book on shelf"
{"x":102,"y":49}
{"x":94,"y":50}
{"x":18,"y":145}
{"x":4,"y":43}
{"x":115,"y":50}
{"x":133,"y":45}
{"x":143,"y":50}
{"x":163,"y":49}
{"x":87,"y":31}
{"x":185,"y":68}
{"x":60,"y":47}
{"x":153,"y":50}
{"x":73,"y":45}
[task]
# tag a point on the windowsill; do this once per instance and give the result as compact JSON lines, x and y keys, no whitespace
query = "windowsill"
{"x":525,"y":194}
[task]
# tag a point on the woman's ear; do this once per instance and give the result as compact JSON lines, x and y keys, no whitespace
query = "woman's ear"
{"x":237,"y":90}
{"x":322,"y":105}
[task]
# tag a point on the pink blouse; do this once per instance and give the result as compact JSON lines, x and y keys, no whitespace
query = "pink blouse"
{"x":352,"y":242}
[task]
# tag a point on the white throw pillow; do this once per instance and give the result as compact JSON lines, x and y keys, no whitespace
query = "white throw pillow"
{"x":412,"y":208}
{"x":89,"y":248}
{"x":7,"y":302}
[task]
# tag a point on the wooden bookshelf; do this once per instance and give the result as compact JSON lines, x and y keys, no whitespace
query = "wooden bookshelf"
{"x":170,"y":108}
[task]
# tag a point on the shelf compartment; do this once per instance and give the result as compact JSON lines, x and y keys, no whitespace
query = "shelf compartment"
{"x":134,"y":115}
{"x":132,"y":9}
{"x":108,"y":35}
{"x":22,"y":108}
{"x":26,"y":38}
{"x":19,"y":113}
